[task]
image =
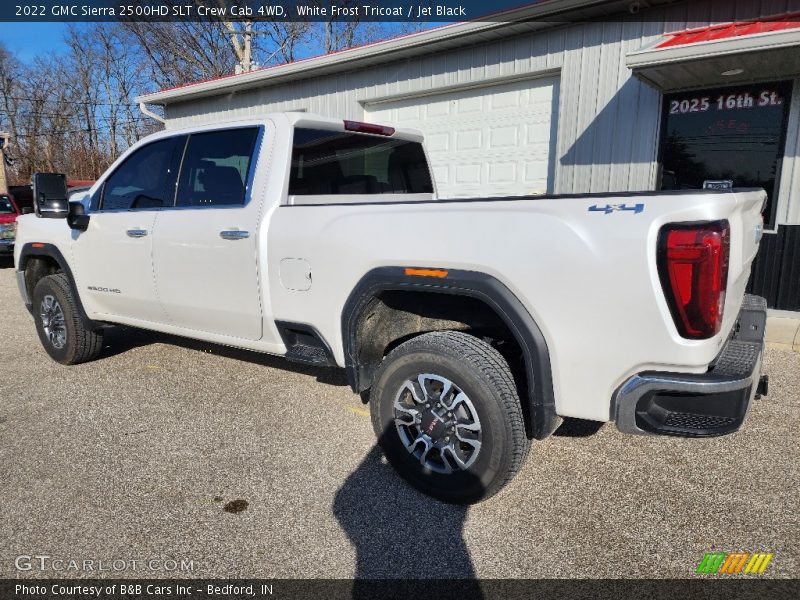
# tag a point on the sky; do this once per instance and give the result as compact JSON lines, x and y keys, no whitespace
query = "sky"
{"x":26,"y":40}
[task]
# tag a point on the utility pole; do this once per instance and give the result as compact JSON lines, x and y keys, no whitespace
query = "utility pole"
{"x":247,"y":58}
{"x":4,"y":137}
{"x":242,"y":42}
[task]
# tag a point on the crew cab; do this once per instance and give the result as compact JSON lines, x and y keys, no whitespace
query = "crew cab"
{"x":8,"y":223}
{"x":469,"y":325}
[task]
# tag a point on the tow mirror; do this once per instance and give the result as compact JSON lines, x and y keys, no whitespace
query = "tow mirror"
{"x":50,"y":195}
{"x":77,"y":217}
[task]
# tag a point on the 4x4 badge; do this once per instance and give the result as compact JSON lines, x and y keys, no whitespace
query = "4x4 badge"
{"x":610,"y":208}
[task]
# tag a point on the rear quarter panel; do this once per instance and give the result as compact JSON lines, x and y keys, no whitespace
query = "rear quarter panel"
{"x":588,"y":278}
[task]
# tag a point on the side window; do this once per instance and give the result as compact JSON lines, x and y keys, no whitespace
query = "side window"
{"x":142,"y":181}
{"x":332,"y":162}
{"x":215,"y":168}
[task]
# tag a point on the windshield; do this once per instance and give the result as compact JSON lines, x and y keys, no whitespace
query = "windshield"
{"x":6,"y":208}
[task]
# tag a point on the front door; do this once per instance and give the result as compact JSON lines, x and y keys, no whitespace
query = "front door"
{"x":205,"y":249}
{"x":113,"y":257}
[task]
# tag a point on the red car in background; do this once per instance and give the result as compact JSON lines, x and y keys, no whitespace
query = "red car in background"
{"x":8,"y":223}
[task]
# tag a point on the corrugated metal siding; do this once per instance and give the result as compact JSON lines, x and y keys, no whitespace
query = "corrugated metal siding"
{"x":608,"y":120}
{"x":789,"y":194}
{"x":766,"y":268}
{"x":776,"y":272}
{"x":789,"y":286}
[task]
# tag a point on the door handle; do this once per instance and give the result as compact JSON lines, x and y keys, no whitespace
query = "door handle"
{"x":234,"y":234}
{"x":136,"y":233}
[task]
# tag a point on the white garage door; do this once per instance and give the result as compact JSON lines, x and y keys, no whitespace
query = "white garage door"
{"x":490,"y":141}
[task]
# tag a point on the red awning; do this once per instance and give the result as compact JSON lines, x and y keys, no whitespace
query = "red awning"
{"x":731,"y":30}
{"x":766,"y":49}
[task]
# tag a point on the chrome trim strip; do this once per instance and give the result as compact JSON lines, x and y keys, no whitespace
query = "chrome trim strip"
{"x":628,"y":396}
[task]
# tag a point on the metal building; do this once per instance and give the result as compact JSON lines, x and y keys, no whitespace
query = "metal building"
{"x":583,"y":96}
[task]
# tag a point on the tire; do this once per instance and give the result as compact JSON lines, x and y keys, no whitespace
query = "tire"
{"x":484,"y":408}
{"x":59,"y":325}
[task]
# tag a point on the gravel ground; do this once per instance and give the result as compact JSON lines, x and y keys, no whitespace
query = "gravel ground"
{"x":137,"y":455}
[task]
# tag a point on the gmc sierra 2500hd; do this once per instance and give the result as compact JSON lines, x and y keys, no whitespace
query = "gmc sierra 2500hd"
{"x":471,"y":325}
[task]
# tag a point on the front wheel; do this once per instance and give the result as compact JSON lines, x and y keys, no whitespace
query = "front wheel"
{"x":61,"y":330}
{"x":448,"y":418}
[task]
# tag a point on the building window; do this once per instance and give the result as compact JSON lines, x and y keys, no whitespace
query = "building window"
{"x":726,"y":137}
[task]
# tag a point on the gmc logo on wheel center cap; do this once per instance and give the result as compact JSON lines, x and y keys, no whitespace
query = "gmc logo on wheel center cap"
{"x":432,"y":425}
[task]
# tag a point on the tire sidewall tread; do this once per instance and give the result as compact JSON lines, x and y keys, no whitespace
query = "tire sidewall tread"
{"x":82,"y":344}
{"x":482,"y":372}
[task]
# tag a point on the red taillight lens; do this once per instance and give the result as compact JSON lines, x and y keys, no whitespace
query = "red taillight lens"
{"x":360,"y":127}
{"x":693,"y":266}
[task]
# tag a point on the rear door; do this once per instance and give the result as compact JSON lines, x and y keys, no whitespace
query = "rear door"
{"x":205,"y":248}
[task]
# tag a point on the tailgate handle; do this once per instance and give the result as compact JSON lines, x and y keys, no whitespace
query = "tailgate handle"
{"x":234,"y":234}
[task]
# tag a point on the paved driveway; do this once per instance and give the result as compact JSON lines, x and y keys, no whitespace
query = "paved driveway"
{"x":134,"y":457}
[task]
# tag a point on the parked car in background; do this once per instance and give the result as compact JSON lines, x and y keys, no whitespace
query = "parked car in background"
{"x":8,"y":223}
{"x":23,"y":196}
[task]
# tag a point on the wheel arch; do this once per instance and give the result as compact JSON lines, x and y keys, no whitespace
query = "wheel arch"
{"x":539,"y":405}
{"x":30,"y":253}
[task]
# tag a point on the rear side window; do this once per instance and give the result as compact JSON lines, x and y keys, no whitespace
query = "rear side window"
{"x":141,"y":181}
{"x":333,"y":162}
{"x":215,"y":168}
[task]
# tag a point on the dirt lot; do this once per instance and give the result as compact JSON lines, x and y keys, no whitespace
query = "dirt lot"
{"x":134,"y":457}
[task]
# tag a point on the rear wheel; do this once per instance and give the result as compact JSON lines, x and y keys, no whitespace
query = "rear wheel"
{"x":447,"y":415}
{"x":59,"y":325}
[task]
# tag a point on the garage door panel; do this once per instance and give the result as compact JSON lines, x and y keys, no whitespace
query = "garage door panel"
{"x":502,"y":136}
{"x":468,"y":140}
{"x":488,"y":141}
{"x":437,"y":142}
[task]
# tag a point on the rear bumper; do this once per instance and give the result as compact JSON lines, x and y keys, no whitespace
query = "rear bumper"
{"x":699,"y":405}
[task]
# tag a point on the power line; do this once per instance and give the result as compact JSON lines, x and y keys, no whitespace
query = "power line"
{"x":81,"y":102}
{"x":51,"y":115}
{"x":70,"y":131}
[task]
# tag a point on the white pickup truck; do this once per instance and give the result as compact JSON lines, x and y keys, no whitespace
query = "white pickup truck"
{"x":470,"y":325}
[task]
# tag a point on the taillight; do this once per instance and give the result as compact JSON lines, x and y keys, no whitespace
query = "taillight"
{"x":360,"y":127}
{"x":693,"y":267}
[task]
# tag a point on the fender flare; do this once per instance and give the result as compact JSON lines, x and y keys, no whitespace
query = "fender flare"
{"x":488,"y":289}
{"x":50,"y":251}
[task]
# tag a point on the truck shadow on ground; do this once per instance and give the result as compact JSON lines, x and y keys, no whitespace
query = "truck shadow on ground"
{"x":400,"y":533}
{"x":121,"y":339}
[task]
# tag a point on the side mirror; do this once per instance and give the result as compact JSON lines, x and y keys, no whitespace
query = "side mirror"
{"x":77,"y":217}
{"x":50,"y":195}
{"x":26,"y":210}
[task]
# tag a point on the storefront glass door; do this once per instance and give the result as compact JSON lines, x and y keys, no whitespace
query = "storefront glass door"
{"x":726,"y":137}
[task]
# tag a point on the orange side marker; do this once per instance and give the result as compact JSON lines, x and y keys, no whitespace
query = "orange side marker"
{"x":440,"y":273}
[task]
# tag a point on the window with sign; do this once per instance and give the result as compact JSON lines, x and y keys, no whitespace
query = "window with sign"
{"x":726,"y":137}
